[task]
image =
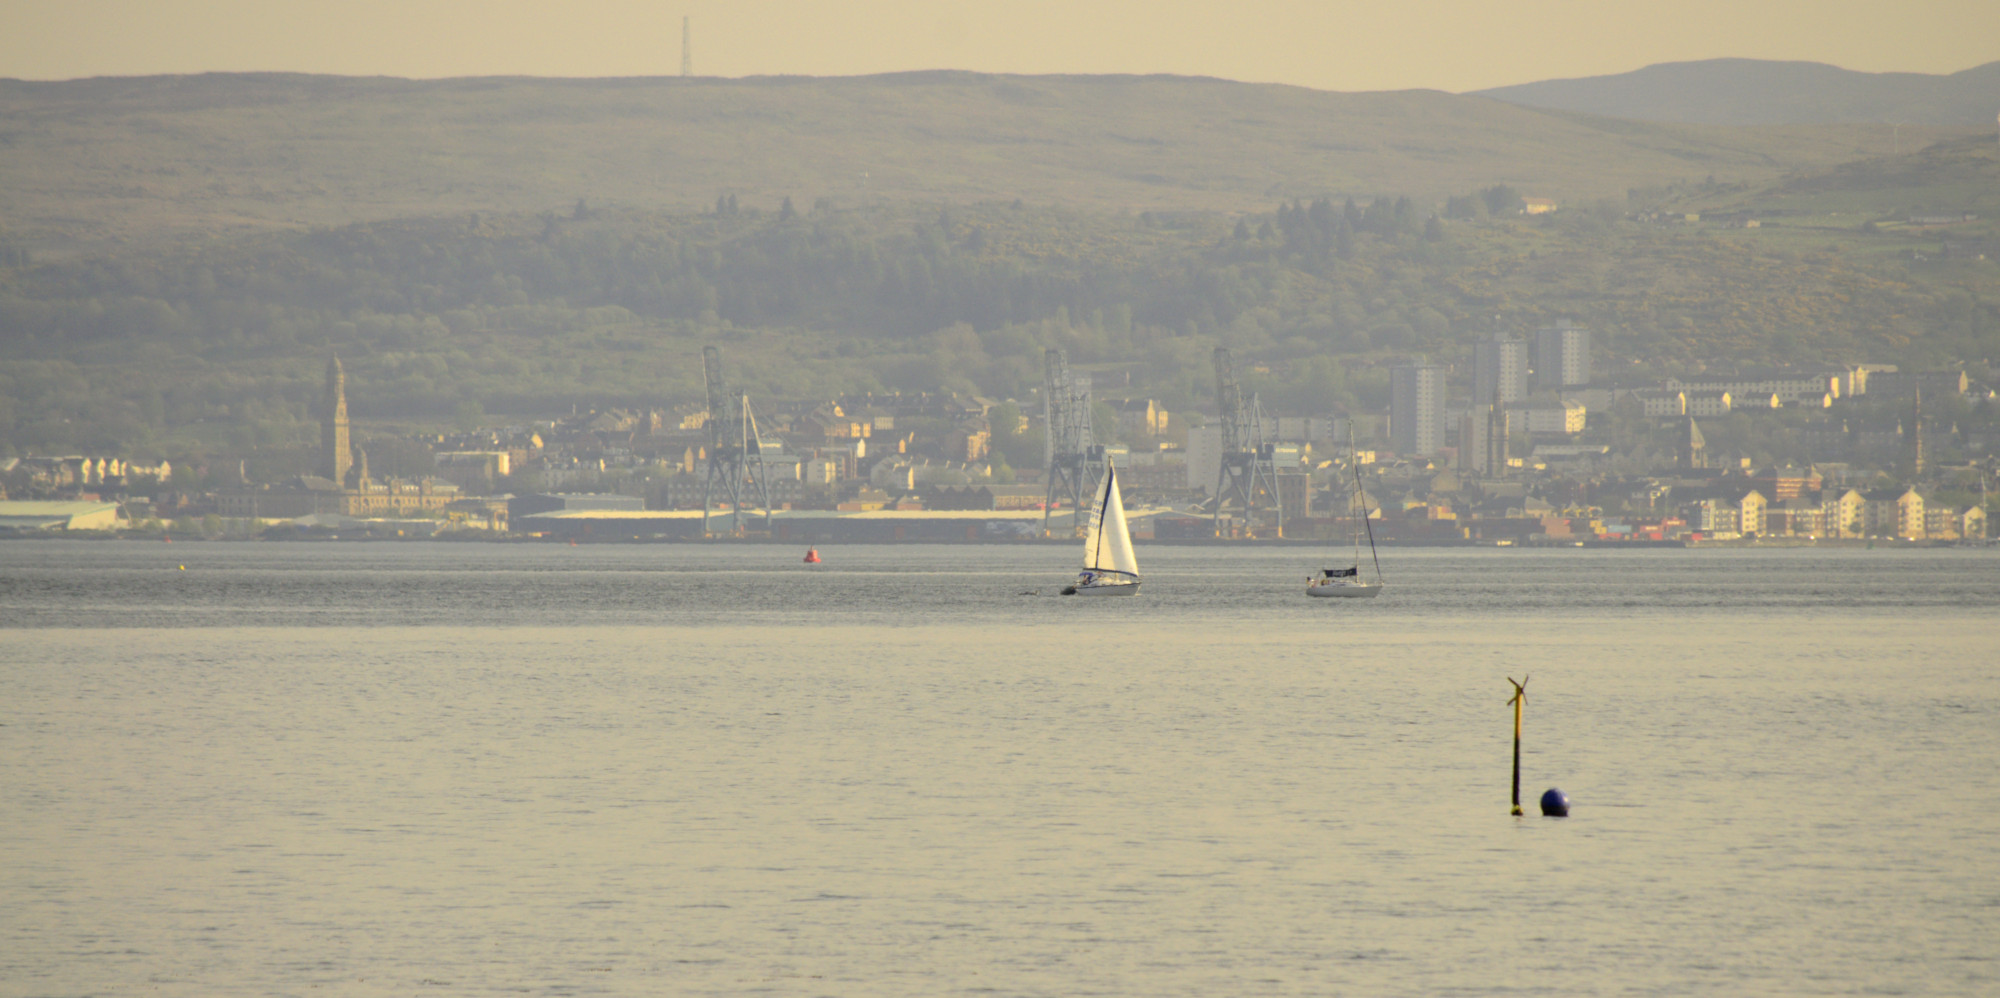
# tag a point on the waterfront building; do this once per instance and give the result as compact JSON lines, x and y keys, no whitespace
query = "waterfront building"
{"x":1971,"y":523}
{"x":1895,"y":512}
{"x":1845,"y":512}
{"x":1750,"y":510}
{"x":1795,"y":517}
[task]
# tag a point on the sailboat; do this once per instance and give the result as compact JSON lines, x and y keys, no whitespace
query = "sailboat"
{"x":1109,"y":567}
{"x":1347,"y":582}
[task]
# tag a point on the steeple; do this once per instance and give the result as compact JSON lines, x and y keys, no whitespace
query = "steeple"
{"x":1693,"y":449}
{"x":336,"y":453}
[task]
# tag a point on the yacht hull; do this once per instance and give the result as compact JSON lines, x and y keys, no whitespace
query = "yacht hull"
{"x":1343,"y":590}
{"x":1111,"y":589}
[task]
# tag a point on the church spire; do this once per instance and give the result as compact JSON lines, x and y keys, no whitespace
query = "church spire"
{"x":336,"y":453}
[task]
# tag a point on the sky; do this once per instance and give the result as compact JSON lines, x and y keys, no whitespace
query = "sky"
{"x":1454,"y":45}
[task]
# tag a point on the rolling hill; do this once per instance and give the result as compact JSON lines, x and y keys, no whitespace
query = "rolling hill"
{"x":94,"y":162}
{"x":1762,"y":92}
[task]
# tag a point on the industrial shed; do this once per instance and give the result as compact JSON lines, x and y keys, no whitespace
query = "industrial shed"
{"x":34,"y":515}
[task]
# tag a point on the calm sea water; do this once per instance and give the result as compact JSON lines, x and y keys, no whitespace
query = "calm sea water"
{"x":526,"y":769}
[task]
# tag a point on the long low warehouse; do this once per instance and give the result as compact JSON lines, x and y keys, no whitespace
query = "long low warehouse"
{"x":60,"y":515}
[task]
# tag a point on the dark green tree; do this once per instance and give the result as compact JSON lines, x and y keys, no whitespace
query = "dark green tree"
{"x":1500,"y":199}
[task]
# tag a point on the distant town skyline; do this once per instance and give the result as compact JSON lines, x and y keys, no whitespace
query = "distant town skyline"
{"x":1452,"y":45}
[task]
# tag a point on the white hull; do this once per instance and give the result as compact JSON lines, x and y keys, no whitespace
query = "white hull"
{"x":1104,"y":589}
{"x":1343,"y":589}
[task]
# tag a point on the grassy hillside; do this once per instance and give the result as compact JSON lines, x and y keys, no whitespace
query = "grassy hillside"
{"x":96,"y":162}
{"x":1763,"y":92}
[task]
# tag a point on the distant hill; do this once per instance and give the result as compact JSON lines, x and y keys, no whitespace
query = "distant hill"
{"x":98,"y":161}
{"x":1761,"y":92}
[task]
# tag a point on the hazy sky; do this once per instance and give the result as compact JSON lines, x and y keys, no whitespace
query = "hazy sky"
{"x":1329,"y":44}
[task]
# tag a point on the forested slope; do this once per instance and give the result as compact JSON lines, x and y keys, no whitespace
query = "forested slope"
{"x":531,"y":313}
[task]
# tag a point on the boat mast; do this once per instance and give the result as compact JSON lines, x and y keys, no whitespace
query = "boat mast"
{"x":1355,"y":506}
{"x":1361,"y":504}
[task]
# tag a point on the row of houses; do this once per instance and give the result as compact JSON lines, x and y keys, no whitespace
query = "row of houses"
{"x":1901,"y":513}
{"x":80,"y":471}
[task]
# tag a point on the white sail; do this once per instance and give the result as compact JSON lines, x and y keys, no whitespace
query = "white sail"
{"x":1119,"y":537}
{"x":1107,"y":543}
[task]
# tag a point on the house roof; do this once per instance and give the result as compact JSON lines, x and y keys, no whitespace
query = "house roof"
{"x":1887,"y":495}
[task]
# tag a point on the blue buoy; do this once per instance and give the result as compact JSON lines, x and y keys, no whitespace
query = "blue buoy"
{"x":1554,"y":804}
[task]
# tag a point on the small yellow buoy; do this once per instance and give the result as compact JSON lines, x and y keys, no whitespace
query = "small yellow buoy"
{"x":184,"y":568}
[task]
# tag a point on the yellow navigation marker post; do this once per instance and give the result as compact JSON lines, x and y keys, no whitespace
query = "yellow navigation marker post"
{"x":1520,"y":697}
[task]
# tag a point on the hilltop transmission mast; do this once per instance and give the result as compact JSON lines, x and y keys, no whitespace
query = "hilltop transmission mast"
{"x":687,"y":49}
{"x":1070,"y":450}
{"x":1247,"y":474}
{"x":735,"y":454}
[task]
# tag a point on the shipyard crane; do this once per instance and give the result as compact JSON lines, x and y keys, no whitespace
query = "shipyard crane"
{"x":1247,"y":474}
{"x":1073,"y":459}
{"x":735,"y":453}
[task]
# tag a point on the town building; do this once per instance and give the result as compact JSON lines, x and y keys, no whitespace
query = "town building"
{"x":1708,"y":404}
{"x":1548,"y":415}
{"x":1907,"y":384}
{"x":1141,"y":418}
{"x":1499,"y":370}
{"x":343,"y":486}
{"x":1204,"y":456}
{"x":1787,"y":389}
{"x":1662,"y":401}
{"x":1562,"y":355}
{"x":1416,"y":409}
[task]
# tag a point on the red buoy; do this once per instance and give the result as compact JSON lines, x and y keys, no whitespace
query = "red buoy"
{"x":812,"y":556}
